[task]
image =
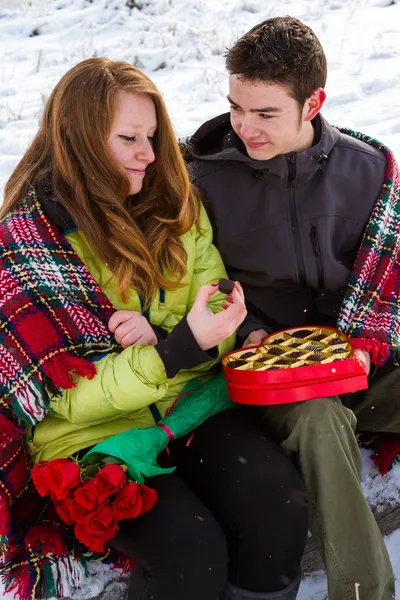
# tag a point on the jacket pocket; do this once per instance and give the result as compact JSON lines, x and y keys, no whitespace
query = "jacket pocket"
{"x":317,"y":256}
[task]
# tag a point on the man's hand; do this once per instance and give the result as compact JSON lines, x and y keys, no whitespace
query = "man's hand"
{"x":255,"y":338}
{"x":130,"y":327}
{"x":210,"y":329}
{"x":364,"y":358}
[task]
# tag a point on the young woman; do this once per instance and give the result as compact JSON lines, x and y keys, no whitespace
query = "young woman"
{"x":106,"y":173}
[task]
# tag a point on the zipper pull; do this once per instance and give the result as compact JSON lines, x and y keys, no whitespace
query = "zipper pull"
{"x":291,"y":161}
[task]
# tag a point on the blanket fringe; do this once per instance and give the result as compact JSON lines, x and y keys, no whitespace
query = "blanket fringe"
{"x":19,"y":581}
{"x":37,"y":576}
{"x":379,"y":351}
{"x":49,"y":577}
{"x":124,"y":563}
{"x":385,"y":453}
{"x":62,"y":368}
{"x":67,"y":575}
{"x":50,"y":564}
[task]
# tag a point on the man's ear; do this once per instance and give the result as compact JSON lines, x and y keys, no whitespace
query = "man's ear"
{"x":314,"y":104}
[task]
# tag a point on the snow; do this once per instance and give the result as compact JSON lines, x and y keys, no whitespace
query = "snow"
{"x":379,"y":490}
{"x":180,"y":45}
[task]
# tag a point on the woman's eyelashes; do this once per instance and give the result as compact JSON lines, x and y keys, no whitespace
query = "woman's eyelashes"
{"x":133,"y":138}
{"x":128,"y":138}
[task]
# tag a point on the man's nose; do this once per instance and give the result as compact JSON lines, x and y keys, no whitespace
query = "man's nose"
{"x":248,"y":130}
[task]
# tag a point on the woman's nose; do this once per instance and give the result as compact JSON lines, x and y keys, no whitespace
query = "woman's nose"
{"x":146,"y":153}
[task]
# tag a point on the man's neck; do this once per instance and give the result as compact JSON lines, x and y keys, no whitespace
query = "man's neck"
{"x":305,"y":139}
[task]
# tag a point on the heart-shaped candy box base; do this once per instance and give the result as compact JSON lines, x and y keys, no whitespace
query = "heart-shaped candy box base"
{"x":294,"y":365}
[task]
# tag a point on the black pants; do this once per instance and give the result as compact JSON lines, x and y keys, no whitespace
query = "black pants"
{"x":234,"y":509}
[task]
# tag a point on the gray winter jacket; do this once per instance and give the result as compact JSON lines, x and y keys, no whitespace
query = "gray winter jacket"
{"x":288,"y":228}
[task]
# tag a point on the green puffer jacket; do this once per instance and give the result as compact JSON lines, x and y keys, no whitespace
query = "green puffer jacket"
{"x":117,"y":398}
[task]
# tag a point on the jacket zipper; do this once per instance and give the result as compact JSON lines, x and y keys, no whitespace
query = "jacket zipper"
{"x":291,"y":161}
{"x":318,"y":257}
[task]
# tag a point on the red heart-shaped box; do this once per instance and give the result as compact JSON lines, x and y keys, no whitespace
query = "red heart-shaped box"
{"x":293,"y":365}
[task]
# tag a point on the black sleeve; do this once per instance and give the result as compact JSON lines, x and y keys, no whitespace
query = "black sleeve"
{"x":181,"y":351}
{"x":160,"y":332}
{"x":251,"y":323}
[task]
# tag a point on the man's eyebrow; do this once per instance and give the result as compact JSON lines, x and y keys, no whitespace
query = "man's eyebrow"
{"x":266,"y":109}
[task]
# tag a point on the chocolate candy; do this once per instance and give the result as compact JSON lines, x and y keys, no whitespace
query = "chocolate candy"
{"x":313,"y":347}
{"x":225,"y":286}
{"x":234,"y":364}
{"x":294,"y":355}
{"x":301,"y":333}
{"x":315,"y":357}
{"x":276,"y":351}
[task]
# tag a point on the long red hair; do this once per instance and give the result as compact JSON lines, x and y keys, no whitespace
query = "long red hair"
{"x":137,"y":236}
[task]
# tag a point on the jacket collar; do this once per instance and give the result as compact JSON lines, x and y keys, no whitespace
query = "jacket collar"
{"x":57,"y":214}
{"x":216,"y":141}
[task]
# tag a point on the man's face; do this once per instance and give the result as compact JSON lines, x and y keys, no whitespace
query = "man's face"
{"x":266,"y":118}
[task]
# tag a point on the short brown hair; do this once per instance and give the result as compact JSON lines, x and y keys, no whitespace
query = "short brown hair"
{"x":280,"y":50}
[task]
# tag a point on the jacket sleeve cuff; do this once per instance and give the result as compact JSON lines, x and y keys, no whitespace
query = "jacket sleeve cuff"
{"x":181,"y":351}
{"x":250,"y":325}
{"x":160,"y":332}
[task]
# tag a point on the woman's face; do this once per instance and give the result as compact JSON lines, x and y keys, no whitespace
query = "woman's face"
{"x":131,"y":136}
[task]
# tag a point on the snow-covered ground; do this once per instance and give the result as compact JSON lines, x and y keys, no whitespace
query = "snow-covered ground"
{"x":180,"y":45}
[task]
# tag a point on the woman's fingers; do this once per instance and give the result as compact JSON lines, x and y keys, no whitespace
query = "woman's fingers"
{"x":209,"y":329}
{"x":237,"y":297}
{"x":124,"y":330}
{"x":203,"y":296}
{"x":130,"y":339}
{"x":234,"y":312}
{"x":136,"y":330}
{"x":239,"y":289}
{"x":119,"y":317}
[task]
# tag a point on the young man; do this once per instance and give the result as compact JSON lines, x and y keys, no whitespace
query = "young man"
{"x":290,"y":198}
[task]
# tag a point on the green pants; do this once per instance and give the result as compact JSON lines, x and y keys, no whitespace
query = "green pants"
{"x":319,"y":437}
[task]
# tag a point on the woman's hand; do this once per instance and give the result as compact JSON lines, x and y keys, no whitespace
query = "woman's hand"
{"x":130,"y":327}
{"x":210,"y":329}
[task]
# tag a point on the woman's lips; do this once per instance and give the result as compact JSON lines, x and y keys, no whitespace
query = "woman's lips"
{"x":139,"y":172}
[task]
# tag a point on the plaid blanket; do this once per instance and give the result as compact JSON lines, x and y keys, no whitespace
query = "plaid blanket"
{"x":370,"y":313}
{"x":53,"y":321}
